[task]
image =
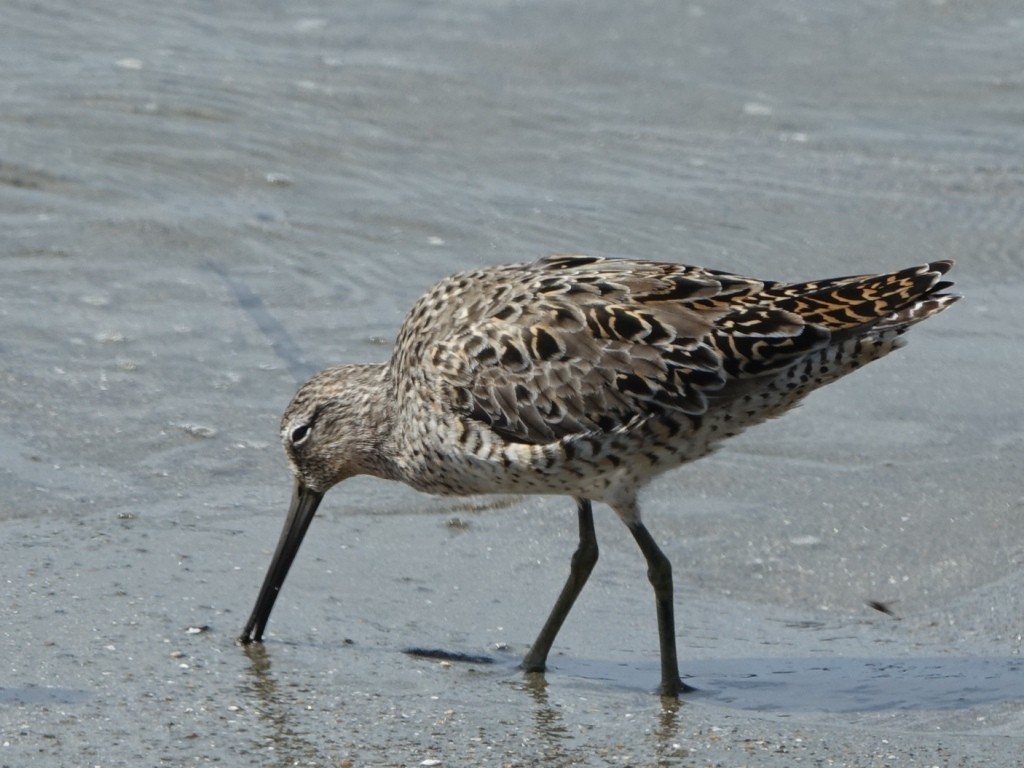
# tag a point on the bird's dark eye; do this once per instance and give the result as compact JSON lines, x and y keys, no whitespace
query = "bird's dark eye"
{"x":300,"y":433}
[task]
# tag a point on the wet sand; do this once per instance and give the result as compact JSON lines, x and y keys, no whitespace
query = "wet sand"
{"x":199,"y":210}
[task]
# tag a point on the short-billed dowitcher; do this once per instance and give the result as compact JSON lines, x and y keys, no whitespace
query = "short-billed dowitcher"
{"x":585,"y":377}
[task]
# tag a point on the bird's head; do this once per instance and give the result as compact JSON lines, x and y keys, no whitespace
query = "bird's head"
{"x":332,"y":429}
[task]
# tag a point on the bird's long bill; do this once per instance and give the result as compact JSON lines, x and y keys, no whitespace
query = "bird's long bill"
{"x":300,"y":514}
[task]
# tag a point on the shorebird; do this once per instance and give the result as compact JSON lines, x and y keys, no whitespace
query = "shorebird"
{"x":586,"y":377}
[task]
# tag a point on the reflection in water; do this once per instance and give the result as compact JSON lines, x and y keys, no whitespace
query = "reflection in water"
{"x":289,"y":747}
{"x":561,"y":728}
{"x":667,"y":750}
{"x":550,"y":731}
{"x":556,"y":738}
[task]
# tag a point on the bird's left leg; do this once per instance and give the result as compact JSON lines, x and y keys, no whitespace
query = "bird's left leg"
{"x":582,"y":564}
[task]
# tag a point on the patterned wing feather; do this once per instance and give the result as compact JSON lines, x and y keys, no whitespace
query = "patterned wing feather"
{"x":583,"y":344}
{"x":573,"y":344}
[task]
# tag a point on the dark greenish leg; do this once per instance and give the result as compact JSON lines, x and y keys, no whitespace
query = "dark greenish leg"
{"x":582,"y":564}
{"x":659,"y":571}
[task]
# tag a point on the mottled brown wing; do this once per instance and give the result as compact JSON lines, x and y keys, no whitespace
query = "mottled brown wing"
{"x":836,"y":308}
{"x":582,"y":344}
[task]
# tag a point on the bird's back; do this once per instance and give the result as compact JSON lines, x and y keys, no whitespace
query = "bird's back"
{"x":583,"y":365}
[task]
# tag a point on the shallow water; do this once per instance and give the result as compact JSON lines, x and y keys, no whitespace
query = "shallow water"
{"x":202,"y":205}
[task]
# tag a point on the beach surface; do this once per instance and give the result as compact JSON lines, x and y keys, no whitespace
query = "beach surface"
{"x":202,"y":204}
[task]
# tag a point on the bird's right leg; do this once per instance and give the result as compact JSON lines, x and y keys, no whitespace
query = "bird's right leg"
{"x":659,"y":573}
{"x":583,"y":560}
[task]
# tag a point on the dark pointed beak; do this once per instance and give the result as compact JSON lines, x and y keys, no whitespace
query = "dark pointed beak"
{"x":300,"y":514}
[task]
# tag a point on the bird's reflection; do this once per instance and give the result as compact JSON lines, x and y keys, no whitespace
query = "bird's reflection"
{"x":556,"y":736}
{"x":551,"y":732}
{"x":275,"y":709}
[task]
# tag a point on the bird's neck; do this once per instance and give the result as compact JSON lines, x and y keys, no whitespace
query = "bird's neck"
{"x":369,"y":394}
